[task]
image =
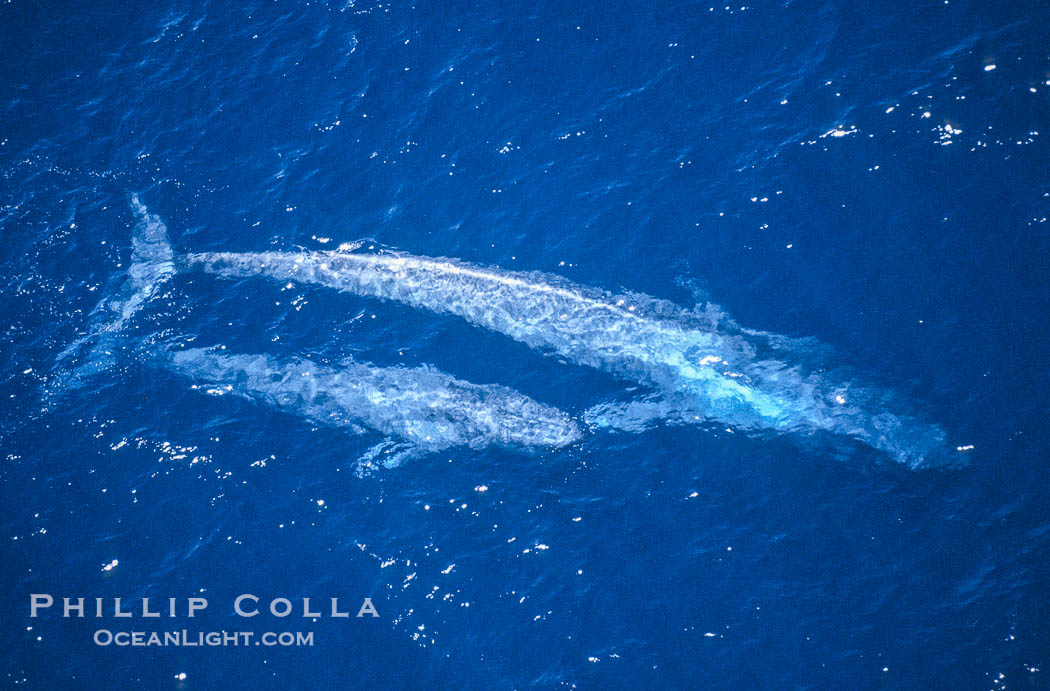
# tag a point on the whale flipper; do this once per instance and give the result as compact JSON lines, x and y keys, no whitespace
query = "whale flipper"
{"x":388,"y":453}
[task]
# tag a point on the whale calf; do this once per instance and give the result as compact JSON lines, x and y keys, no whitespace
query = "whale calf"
{"x":423,"y":409}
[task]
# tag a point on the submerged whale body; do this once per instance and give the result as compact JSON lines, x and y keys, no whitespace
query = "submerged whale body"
{"x":424,"y":409}
{"x":701,"y":369}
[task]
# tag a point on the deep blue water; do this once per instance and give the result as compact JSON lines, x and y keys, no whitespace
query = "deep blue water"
{"x":871,"y":177}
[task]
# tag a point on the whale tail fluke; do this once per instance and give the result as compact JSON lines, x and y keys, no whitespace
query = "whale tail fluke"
{"x":152,"y":264}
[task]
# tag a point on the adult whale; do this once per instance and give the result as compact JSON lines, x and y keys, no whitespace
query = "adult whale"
{"x":702,"y":369}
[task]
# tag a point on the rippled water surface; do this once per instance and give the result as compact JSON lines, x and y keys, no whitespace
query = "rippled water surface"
{"x":713,"y":353}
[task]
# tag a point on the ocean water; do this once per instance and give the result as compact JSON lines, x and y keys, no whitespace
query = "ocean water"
{"x":869,"y":182}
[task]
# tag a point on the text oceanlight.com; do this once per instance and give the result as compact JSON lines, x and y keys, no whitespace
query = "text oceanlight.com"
{"x":193,"y":639}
